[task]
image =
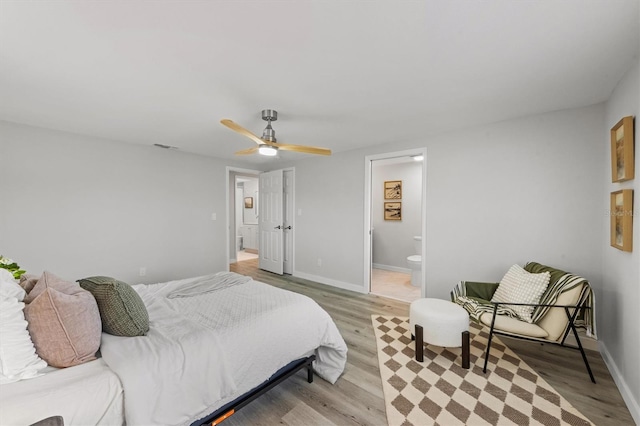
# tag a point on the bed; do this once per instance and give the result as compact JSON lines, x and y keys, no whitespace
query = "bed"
{"x":87,"y":394}
{"x":214,"y":343}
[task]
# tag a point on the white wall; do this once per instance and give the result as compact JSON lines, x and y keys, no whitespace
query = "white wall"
{"x":393,"y":239}
{"x":515,"y":191}
{"x":504,"y":193}
{"x":79,"y":206}
{"x":619,"y":292}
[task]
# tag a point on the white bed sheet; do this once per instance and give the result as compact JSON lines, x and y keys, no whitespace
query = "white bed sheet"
{"x":242,"y":334}
{"x":86,"y":394}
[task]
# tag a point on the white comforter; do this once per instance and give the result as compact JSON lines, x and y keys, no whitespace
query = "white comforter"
{"x":206,"y":347}
{"x":86,"y":394}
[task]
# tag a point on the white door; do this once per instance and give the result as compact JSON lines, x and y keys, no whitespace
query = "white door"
{"x":288,"y":221}
{"x":271,"y":222}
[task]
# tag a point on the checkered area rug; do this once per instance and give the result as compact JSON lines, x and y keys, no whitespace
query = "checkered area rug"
{"x":440,"y":392}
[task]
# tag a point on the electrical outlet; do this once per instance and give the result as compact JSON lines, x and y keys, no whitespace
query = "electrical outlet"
{"x":214,"y":216}
{"x":319,"y":262}
{"x":143,"y":271}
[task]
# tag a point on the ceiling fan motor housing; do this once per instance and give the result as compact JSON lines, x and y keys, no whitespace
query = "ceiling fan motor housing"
{"x":269,"y":115}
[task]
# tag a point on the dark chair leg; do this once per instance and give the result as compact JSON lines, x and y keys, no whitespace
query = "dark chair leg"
{"x":465,"y":350}
{"x":419,"y":344}
{"x":575,"y":334}
{"x":493,"y":322}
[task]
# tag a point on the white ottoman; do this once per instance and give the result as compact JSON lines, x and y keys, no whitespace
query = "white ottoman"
{"x":443,"y":323}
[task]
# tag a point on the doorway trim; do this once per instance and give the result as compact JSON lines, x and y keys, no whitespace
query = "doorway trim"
{"x":368,"y":260}
{"x":290,"y":207}
{"x":229,"y":171}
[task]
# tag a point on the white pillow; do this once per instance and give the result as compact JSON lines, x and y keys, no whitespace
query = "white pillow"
{"x":520,"y":286}
{"x":9,"y":287}
{"x":5,"y":275}
{"x":18,"y":358}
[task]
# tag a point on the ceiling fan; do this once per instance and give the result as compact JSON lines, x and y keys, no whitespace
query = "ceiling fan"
{"x":267,"y":144}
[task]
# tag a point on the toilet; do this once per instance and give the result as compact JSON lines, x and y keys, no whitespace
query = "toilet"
{"x":415,"y":262}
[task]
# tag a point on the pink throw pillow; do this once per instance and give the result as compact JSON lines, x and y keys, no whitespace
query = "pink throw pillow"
{"x":64,"y":321}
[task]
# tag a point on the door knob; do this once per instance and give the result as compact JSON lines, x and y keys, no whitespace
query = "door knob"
{"x":288,"y":227}
{"x":278,"y":227}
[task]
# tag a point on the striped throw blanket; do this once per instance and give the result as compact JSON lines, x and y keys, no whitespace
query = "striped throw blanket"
{"x":586,"y":318}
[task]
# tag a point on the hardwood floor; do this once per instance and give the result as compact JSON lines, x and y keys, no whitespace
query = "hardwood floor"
{"x":357,"y":398}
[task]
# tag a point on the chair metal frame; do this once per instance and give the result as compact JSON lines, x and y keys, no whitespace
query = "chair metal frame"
{"x":571,"y":326}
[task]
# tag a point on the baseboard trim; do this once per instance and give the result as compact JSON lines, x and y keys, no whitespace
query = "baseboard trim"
{"x":329,"y":281}
{"x":391,"y":268}
{"x":587,"y":342}
{"x":618,"y":378}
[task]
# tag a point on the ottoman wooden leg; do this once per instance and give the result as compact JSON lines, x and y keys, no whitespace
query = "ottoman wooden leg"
{"x":419,"y":344}
{"x":465,"y":349}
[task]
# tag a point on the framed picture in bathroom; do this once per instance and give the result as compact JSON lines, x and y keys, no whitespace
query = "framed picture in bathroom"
{"x":393,"y":190}
{"x":393,"y":211}
{"x":248,"y":202}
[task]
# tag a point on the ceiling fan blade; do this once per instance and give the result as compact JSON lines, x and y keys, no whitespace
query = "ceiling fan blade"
{"x":247,"y":151}
{"x":238,"y":128}
{"x":304,"y":149}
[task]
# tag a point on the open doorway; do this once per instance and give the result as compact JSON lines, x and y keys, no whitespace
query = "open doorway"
{"x":395,"y":217}
{"x":243,"y":202}
{"x":260,"y":219}
{"x":246,"y":230}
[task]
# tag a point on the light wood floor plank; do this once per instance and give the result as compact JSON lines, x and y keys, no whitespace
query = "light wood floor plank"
{"x":357,"y":399}
{"x":302,"y":414}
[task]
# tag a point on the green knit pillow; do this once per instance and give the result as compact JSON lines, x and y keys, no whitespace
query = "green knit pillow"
{"x":122,"y":310}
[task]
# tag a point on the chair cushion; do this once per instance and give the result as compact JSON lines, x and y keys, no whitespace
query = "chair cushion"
{"x":520,"y":286}
{"x":555,"y":320}
{"x":513,"y":325}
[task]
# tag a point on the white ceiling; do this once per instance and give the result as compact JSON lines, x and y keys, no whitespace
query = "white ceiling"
{"x":342,"y":74}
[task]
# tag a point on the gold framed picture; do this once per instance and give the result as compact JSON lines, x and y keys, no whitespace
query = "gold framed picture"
{"x":622,"y":164}
{"x":393,"y":210}
{"x":248,"y":202}
{"x":393,"y":190}
{"x":622,"y":219}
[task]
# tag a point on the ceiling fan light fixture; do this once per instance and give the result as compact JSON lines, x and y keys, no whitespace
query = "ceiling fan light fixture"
{"x":267,"y":143}
{"x":268,"y":150}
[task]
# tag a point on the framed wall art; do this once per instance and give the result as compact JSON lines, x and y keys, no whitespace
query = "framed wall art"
{"x":393,"y":190}
{"x":248,"y":202}
{"x":622,"y":219}
{"x":622,"y":164}
{"x":393,"y":211}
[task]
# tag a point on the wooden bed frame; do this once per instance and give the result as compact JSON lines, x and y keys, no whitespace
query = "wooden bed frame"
{"x":230,"y":408}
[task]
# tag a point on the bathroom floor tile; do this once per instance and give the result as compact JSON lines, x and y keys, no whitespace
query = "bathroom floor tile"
{"x":243,"y":255}
{"x":395,"y":285}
